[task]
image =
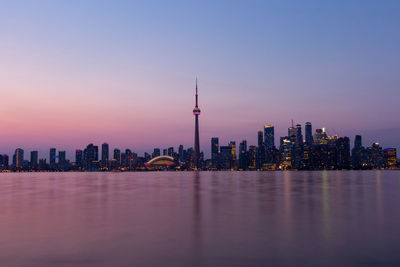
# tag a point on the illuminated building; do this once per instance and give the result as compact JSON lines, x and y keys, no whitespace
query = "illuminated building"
{"x":269,"y":137}
{"x":252,"y":158}
{"x":214,"y":152}
{"x":226,"y":157}
{"x":232,"y":144}
{"x":243,"y":156}
{"x":117,"y":156}
{"x":286,"y":150}
{"x":390,"y":158}
{"x":343,"y":153}
{"x":18,"y":158}
{"x":104,"y":154}
{"x":4,"y":161}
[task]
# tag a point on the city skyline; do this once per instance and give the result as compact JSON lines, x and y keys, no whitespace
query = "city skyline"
{"x":122,"y":72}
{"x":308,"y":151}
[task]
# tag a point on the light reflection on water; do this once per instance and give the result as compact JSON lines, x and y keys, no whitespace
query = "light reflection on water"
{"x":331,"y":218}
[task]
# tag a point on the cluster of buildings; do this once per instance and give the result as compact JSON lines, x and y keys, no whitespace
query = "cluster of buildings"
{"x":92,"y":159}
{"x":313,"y":151}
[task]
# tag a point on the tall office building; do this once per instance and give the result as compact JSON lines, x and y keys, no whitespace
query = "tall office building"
{"x":269,"y":137}
{"x":62,"y":157}
{"x":243,"y":156}
{"x":226,"y":160}
{"x":91,"y":157}
{"x":104,"y":153}
{"x":196,"y":113}
{"x":19,"y":158}
{"x":260,"y":139}
{"x":357,"y":153}
{"x":232,"y":144}
{"x":4,"y":162}
{"x":156,"y":152}
{"x":299,"y":135}
{"x":34,"y":158}
{"x":358,"y":142}
{"x":243,"y":146}
{"x":390,"y":158}
{"x":117,"y":156}
{"x":52,"y":159}
{"x":215,"y":152}
{"x":308,"y":132}
{"x":79,"y":157}
{"x":171,"y":151}
{"x":181,"y":154}
{"x":343,"y":153}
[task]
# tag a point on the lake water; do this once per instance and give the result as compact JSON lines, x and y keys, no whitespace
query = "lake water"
{"x":331,"y":218}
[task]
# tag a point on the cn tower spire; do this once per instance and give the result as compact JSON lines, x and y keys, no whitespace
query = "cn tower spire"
{"x":197,"y":96}
{"x":196,"y":113}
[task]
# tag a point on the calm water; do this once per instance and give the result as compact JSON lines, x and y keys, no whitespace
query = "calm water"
{"x":335,"y":218}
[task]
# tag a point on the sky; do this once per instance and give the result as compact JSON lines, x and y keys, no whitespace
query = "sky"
{"x":123,"y":72}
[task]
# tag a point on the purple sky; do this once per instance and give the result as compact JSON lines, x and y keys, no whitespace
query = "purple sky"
{"x":72,"y":73}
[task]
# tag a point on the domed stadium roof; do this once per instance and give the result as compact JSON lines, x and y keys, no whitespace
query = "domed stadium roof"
{"x":161,"y":160}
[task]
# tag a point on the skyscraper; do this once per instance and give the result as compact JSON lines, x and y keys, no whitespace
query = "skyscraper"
{"x":226,"y":157}
{"x":269,"y":137}
{"x":78,"y":157}
{"x":181,"y":154}
{"x":117,"y":156}
{"x":34,"y":159}
{"x":156,"y":152}
{"x":61,"y":157}
{"x":260,"y":139}
{"x":214,"y":151}
{"x":104,"y":154}
{"x":52,"y":159}
{"x":390,"y":158}
{"x":196,"y":113}
{"x":232,"y":144}
{"x":19,"y":158}
{"x":243,"y":156}
{"x":357,"y":153}
{"x":309,"y":137}
{"x":299,"y":135}
{"x":171,"y":151}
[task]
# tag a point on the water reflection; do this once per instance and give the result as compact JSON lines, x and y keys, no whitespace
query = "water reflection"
{"x":331,"y":218}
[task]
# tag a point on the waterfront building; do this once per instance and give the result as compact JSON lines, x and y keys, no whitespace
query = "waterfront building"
{"x":215,"y":152}
{"x":104,"y":154}
{"x":34,"y":159}
{"x":308,"y":133}
{"x":226,"y":157}
{"x":269,"y":137}
{"x":52,"y":158}
{"x":390,"y":158}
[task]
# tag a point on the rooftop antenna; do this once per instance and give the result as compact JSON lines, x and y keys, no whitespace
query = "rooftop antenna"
{"x":292,"y":124}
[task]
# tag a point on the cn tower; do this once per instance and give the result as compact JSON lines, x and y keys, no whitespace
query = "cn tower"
{"x":196,"y":113}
